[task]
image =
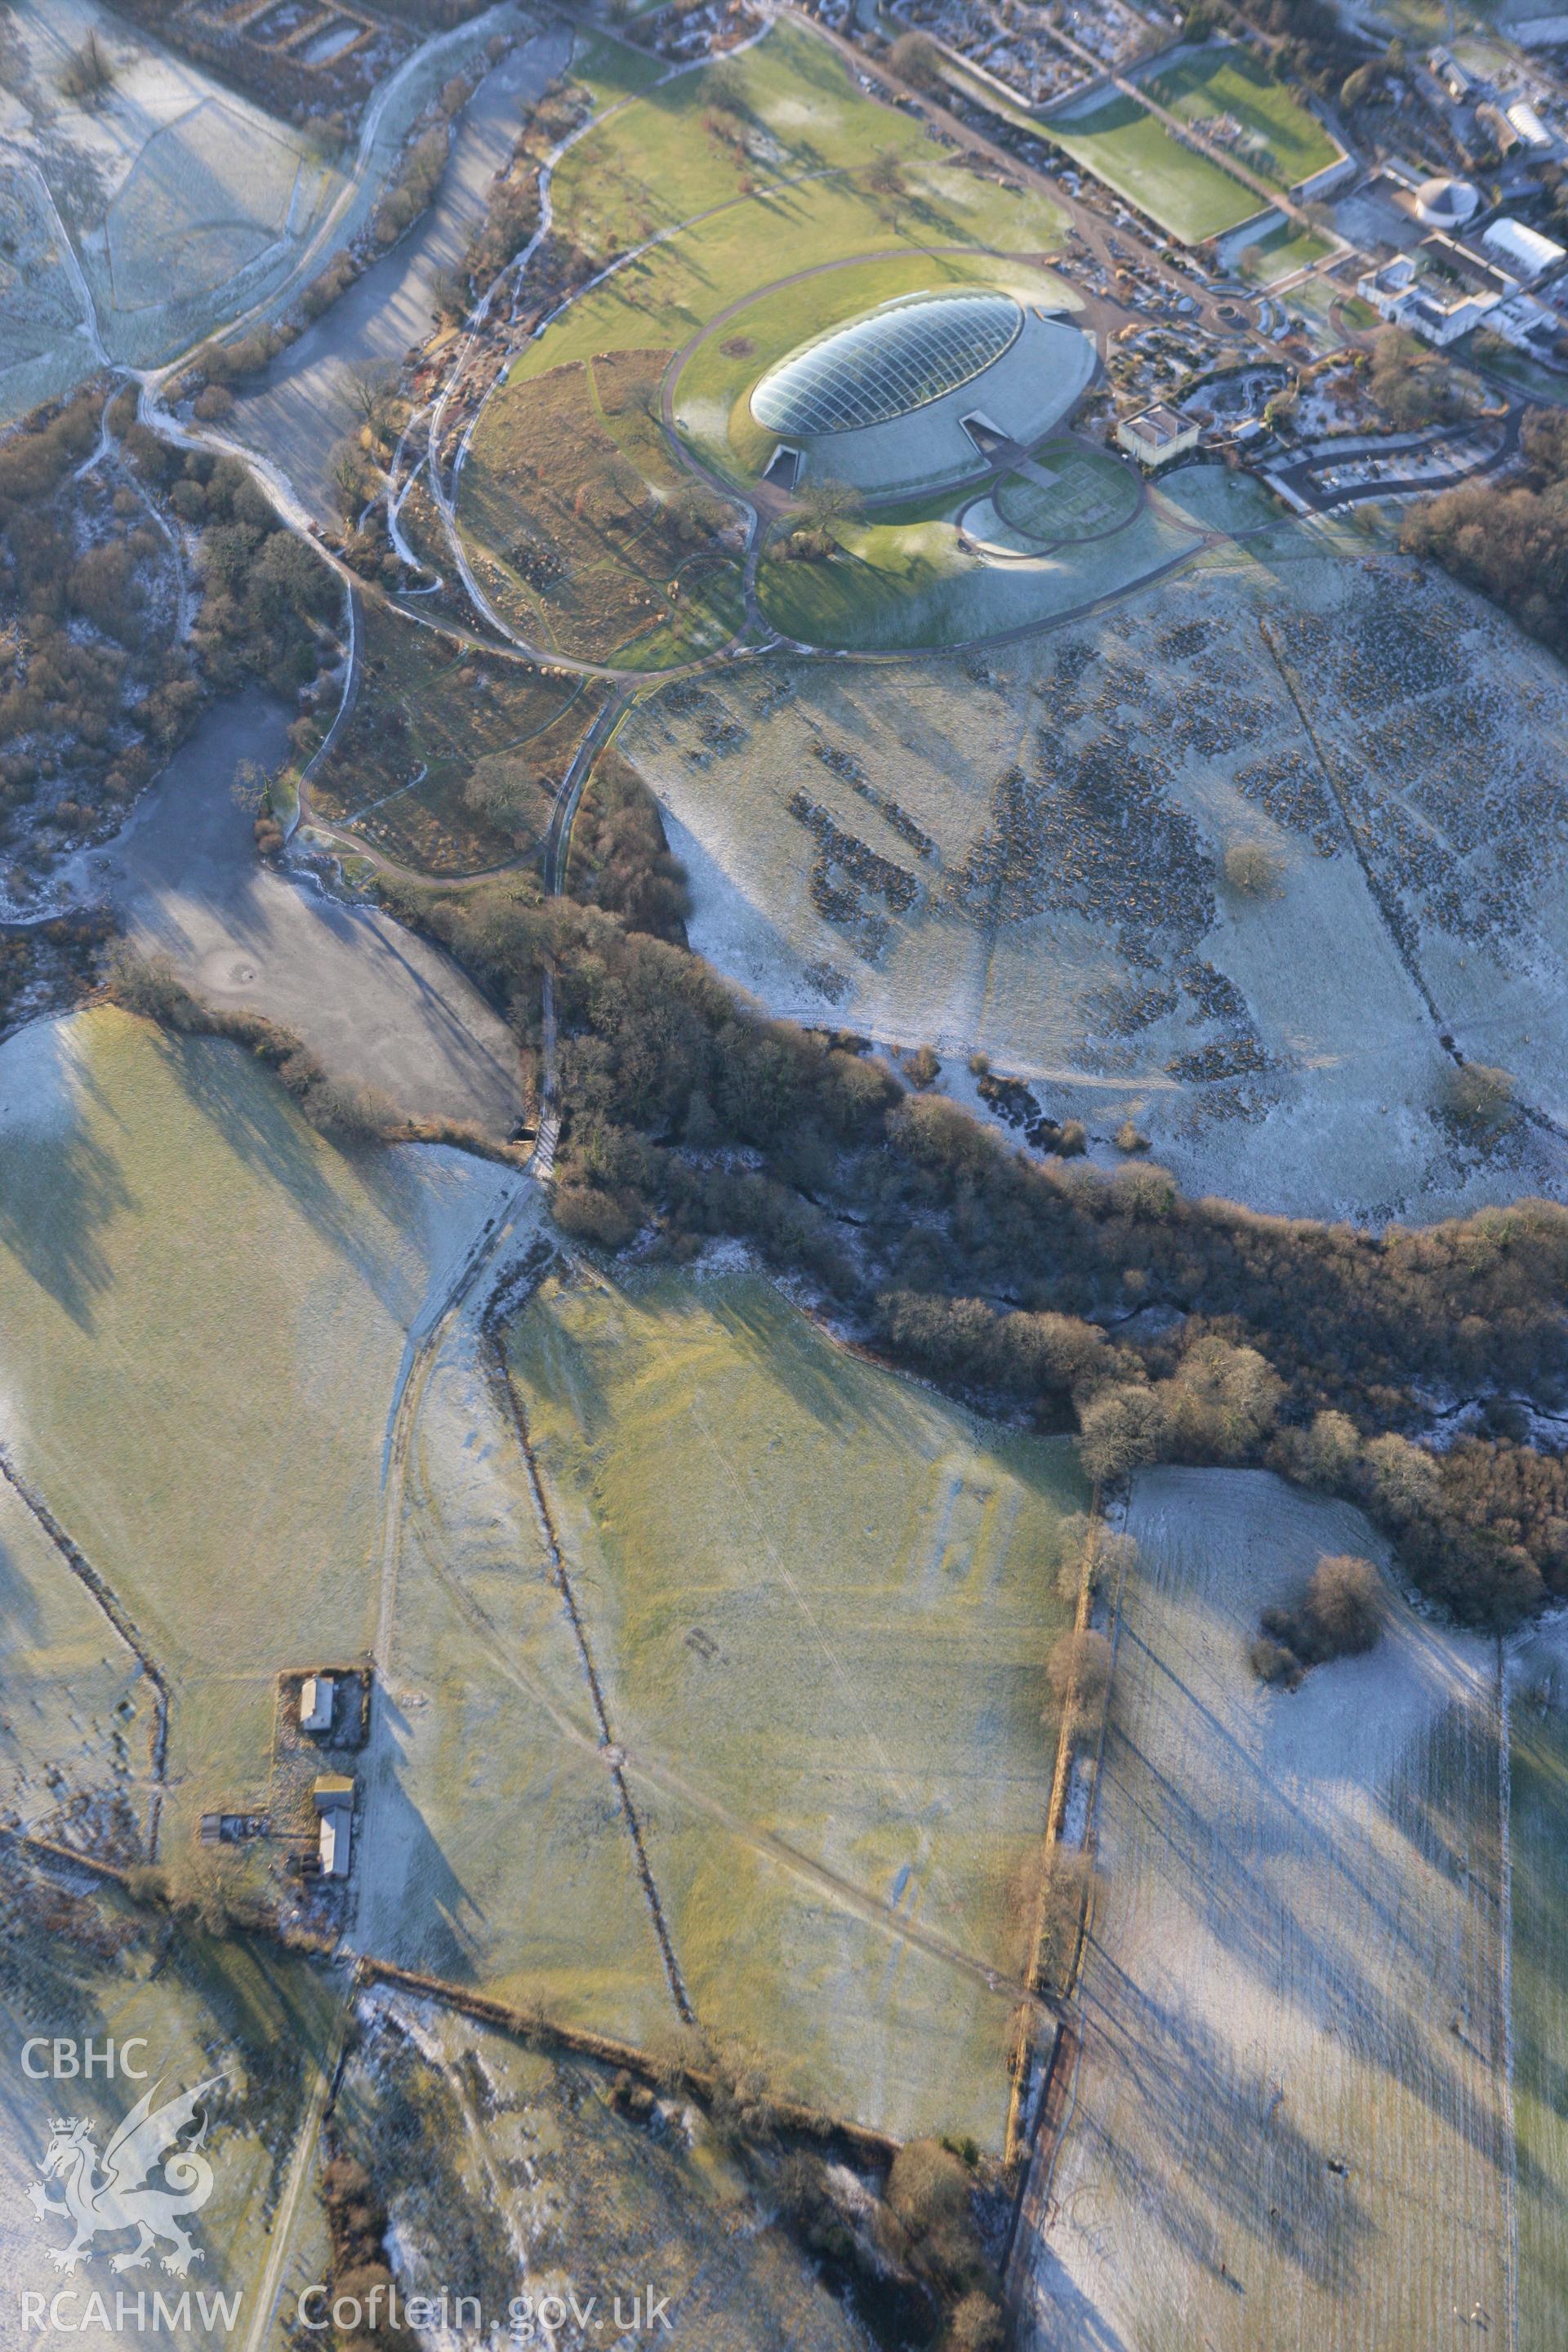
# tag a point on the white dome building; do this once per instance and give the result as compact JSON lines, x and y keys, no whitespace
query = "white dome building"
{"x":1447,"y":203}
{"x":923,"y":389}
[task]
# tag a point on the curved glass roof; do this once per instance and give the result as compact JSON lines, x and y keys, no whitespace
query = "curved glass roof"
{"x":896,"y":358}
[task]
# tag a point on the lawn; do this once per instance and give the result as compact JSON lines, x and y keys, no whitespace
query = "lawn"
{"x":907,"y":583}
{"x":1068,"y":492}
{"x":587,"y":536}
{"x":715,"y":136}
{"x":665,"y":297}
{"x":1290,"y":2124}
{"x":1282,"y":253}
{"x":205,"y":1306}
{"x":431,"y":715}
{"x":1281,"y":140}
{"x":1126,"y":147}
{"x":820,"y":1601}
{"x":1516,"y":368}
{"x":611,"y":70}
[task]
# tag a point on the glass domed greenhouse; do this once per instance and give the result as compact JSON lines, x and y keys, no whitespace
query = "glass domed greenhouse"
{"x":908,"y":351}
{"x":927,"y":388}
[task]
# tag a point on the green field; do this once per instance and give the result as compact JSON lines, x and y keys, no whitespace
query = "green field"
{"x":820,"y":1601}
{"x":205,"y":1305}
{"x":88,"y":1718}
{"x":666,"y":297}
{"x":785,"y":110}
{"x":1290,"y":2124}
{"x":610,"y":69}
{"x":502,"y":1856}
{"x":1282,"y":141}
{"x":1123,"y":145}
{"x":751,"y":220}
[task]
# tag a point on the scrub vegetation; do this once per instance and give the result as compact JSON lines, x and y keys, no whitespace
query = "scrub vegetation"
{"x":451,"y":758}
{"x":591,"y":540}
{"x":1305,"y":1346}
{"x":1170,"y":808}
{"x":96,"y":688}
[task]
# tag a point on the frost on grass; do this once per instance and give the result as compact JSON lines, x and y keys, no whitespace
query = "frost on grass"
{"x":182,"y":1219}
{"x":1290,"y":2124}
{"x":1033,"y":853}
{"x":829,"y":1691}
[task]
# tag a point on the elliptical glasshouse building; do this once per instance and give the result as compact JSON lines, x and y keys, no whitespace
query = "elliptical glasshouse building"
{"x":924,"y":389}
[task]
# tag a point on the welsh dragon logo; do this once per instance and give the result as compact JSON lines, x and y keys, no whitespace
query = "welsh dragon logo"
{"x":102,"y":2195}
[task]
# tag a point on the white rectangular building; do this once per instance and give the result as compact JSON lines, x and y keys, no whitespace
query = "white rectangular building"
{"x":1157,"y":434}
{"x":1524,"y":251}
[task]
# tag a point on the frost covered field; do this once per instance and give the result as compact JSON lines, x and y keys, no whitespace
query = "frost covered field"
{"x":208,"y":196}
{"x":1022,"y":853}
{"x":1538,"y":1876}
{"x":205,"y":1307}
{"x":1290,"y":2124}
{"x":183,"y":200}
